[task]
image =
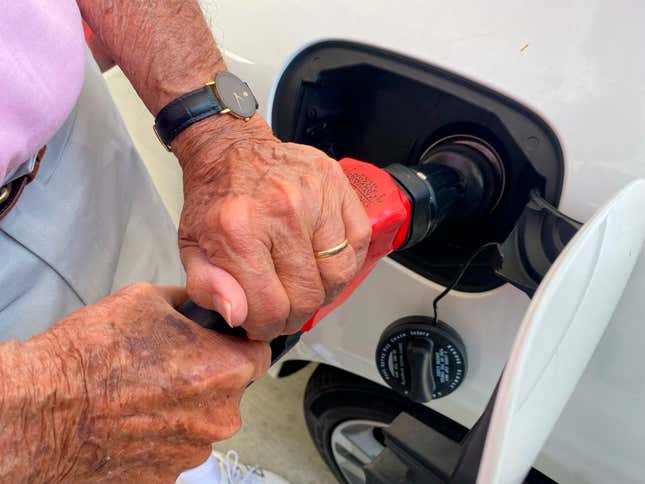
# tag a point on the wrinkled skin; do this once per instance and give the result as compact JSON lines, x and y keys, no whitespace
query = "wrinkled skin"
{"x":127,"y":389}
{"x":142,"y":394}
{"x":256,"y":210}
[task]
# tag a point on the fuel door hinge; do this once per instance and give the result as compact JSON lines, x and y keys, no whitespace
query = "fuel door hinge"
{"x":539,"y":235}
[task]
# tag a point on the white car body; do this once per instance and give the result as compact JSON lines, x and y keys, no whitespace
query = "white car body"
{"x":578,"y":65}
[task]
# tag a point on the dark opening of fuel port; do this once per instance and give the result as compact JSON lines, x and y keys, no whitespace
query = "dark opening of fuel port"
{"x":353,"y":100}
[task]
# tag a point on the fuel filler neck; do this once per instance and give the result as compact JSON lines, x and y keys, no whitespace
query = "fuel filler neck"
{"x":459,"y":177}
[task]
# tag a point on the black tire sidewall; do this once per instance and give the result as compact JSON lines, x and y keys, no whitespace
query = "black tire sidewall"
{"x":329,"y":403}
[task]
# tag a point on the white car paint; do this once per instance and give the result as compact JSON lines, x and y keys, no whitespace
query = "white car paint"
{"x":578,"y":65}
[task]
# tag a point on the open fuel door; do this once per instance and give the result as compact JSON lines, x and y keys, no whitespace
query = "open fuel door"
{"x":567,"y":317}
{"x":600,"y":273}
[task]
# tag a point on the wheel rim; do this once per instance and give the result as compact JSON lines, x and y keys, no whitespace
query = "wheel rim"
{"x":354,"y":445}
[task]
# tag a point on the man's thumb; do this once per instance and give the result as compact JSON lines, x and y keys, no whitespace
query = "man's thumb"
{"x":212,"y":287}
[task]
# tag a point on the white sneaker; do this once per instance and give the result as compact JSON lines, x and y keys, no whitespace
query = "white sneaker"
{"x":234,"y":472}
{"x":227,"y":469}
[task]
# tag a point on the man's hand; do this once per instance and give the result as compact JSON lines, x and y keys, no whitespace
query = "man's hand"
{"x":256,"y":210}
{"x":125,"y":389}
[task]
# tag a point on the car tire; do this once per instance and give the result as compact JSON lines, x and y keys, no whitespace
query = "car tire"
{"x":345,"y":415}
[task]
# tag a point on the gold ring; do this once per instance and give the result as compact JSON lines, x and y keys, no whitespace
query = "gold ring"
{"x":333,"y":251}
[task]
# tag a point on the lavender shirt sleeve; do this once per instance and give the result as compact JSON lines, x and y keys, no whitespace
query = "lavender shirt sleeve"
{"x":41,"y":74}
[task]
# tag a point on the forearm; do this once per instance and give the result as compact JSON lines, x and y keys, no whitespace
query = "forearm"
{"x":41,"y":400}
{"x":166,"y":49}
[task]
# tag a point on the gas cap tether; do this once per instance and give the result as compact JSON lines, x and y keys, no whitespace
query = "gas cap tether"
{"x":458,"y":177}
{"x":424,"y":358}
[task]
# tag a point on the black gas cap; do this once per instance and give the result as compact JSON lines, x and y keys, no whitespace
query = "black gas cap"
{"x":420,"y":359}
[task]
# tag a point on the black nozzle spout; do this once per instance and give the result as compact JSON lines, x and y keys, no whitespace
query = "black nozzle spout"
{"x":432,"y":191}
{"x":457,"y":178}
{"x":446,"y":185}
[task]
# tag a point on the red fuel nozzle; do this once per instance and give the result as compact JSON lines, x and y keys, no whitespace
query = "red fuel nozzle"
{"x":403,"y":204}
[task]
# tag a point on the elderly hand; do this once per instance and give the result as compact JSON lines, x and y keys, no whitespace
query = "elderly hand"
{"x":256,"y":212}
{"x":121,"y":390}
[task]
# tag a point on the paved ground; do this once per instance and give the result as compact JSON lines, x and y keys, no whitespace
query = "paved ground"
{"x":274,"y":434}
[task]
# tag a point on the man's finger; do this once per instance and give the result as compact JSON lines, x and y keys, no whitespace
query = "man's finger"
{"x":357,"y":226}
{"x":251,"y":264}
{"x":236,"y":352}
{"x":212,"y":287}
{"x":335,"y":270}
{"x":298,"y":271}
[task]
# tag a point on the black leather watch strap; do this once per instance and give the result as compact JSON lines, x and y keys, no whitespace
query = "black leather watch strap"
{"x":184,"y":111}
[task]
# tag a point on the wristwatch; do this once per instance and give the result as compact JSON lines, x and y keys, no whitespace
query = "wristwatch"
{"x":227,"y":94}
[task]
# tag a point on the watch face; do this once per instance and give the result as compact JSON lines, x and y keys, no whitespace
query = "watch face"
{"x":235,"y":95}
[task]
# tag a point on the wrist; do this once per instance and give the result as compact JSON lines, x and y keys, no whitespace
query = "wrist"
{"x":41,"y":405}
{"x":209,"y":139}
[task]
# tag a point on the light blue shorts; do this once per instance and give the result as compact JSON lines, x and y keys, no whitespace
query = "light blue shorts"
{"x":90,"y":223}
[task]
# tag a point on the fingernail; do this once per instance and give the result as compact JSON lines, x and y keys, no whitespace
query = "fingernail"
{"x":223,"y":307}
